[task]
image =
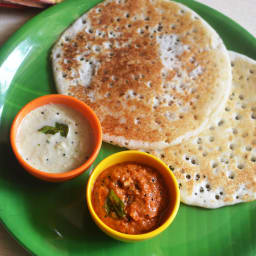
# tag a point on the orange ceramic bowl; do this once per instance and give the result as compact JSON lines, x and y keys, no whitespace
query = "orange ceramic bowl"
{"x":73,"y":103}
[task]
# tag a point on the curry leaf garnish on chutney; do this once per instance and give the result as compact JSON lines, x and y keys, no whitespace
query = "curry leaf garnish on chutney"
{"x":62,"y":128}
{"x":114,"y":204}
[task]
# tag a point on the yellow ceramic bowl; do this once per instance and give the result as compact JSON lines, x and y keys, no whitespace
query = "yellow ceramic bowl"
{"x":142,"y":158}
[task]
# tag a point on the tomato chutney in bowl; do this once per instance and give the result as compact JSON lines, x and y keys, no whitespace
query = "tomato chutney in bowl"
{"x":132,"y":196}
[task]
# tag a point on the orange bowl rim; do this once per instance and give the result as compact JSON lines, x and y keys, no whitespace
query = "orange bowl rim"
{"x":44,"y":100}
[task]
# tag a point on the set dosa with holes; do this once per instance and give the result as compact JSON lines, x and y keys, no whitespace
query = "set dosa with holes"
{"x":161,"y":80}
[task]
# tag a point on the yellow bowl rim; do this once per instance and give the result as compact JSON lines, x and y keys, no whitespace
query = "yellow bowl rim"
{"x":130,"y":237}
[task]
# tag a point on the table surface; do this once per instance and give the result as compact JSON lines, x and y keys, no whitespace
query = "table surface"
{"x":242,"y":12}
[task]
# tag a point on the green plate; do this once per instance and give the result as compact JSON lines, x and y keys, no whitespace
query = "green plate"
{"x":53,"y":219}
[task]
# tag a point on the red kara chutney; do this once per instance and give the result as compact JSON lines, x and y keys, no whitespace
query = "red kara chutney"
{"x":140,"y":198}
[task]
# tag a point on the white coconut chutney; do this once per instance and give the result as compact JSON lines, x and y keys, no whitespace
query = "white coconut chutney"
{"x":59,"y":152}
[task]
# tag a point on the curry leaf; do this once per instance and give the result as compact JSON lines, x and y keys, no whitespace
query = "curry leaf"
{"x":48,"y":130}
{"x":106,"y":206}
{"x":61,"y":128}
{"x":115,"y":204}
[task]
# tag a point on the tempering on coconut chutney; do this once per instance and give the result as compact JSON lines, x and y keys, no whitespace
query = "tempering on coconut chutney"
{"x":131,"y":198}
{"x":54,"y":138}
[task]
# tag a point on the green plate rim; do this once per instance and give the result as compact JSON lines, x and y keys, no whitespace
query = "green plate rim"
{"x":15,"y":39}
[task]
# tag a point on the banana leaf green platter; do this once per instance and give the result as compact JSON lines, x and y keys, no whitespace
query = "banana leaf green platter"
{"x":53,"y":219}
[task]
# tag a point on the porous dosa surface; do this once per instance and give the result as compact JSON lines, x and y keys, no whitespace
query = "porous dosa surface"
{"x":152,"y":70}
{"x":218,"y":167}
